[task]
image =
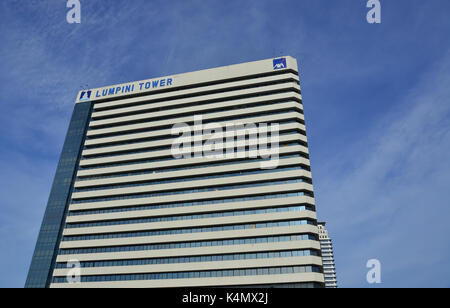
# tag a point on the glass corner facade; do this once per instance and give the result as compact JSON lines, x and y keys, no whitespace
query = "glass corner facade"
{"x":44,"y":257}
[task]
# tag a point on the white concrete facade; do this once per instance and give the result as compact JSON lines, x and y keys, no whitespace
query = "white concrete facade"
{"x":139,"y":217}
{"x":329,"y":267}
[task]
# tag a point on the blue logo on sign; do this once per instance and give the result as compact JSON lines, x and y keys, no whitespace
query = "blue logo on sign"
{"x":85,"y":95}
{"x":279,"y":63}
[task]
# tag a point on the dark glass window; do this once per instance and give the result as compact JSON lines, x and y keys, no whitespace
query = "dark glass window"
{"x":42,"y":264}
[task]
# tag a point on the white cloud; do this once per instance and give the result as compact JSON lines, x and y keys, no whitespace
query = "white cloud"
{"x":384,"y":195}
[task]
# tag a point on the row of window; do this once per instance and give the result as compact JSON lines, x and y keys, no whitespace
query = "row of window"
{"x":227,"y":103}
{"x":171,"y":157}
{"x":150,"y":99}
{"x":196,"y":259}
{"x":188,"y":191}
{"x":270,"y":210}
{"x":198,"y":274}
{"x":172,"y":116}
{"x":176,"y":109}
{"x":182,"y":204}
{"x":172,"y":231}
{"x":124,"y":131}
{"x":298,"y":285}
{"x":193,"y":178}
{"x":148,"y":129}
{"x":149,"y":104}
{"x":196,"y":244}
{"x":234,"y":227}
{"x":167,"y":136}
{"x":196,"y":166}
{"x":146,"y":119}
{"x":171,"y":140}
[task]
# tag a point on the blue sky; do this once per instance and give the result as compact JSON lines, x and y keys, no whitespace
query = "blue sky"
{"x":376,"y":100}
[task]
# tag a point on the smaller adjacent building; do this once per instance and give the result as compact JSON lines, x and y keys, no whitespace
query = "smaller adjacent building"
{"x":326,"y":246}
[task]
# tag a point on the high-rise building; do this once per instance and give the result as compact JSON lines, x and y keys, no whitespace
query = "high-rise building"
{"x":326,"y":245}
{"x":134,"y":206}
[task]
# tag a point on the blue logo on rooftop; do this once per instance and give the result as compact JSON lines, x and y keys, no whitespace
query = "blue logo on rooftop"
{"x":279,"y":63}
{"x":85,"y":95}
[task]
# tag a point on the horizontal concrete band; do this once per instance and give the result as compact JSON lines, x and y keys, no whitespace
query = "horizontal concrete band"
{"x":152,"y":188}
{"x":197,"y":106}
{"x":196,"y":209}
{"x":162,"y":99}
{"x":197,"y":251}
{"x":203,"y":282}
{"x":194,"y":197}
{"x":187,"y":237}
{"x":170,"y":137}
{"x":194,"y":266}
{"x":216,"y":117}
{"x":243,"y":219}
{"x":219,"y":115}
{"x":220,"y":74}
{"x":220,"y":147}
{"x":255,"y":153}
{"x":141,"y":140}
{"x":288,"y":150}
{"x":204,"y":171}
{"x":291,"y":116}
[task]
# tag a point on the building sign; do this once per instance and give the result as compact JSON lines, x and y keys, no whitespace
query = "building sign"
{"x":279,"y":63}
{"x":125,"y":89}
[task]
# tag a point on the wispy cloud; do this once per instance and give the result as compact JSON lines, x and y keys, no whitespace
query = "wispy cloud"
{"x":378,"y":133}
{"x":386,"y":195}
